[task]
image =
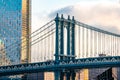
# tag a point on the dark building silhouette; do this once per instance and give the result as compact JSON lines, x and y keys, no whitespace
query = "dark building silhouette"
{"x":107,"y":75}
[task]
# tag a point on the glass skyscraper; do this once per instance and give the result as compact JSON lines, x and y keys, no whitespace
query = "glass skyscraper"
{"x":15,"y":29}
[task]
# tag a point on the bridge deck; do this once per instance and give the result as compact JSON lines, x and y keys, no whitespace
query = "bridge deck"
{"x":60,"y":65}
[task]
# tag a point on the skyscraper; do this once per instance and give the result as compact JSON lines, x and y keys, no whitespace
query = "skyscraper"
{"x":15,"y":29}
{"x":26,"y":30}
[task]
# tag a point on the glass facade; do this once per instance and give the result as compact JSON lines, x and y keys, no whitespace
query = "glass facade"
{"x":14,"y":26}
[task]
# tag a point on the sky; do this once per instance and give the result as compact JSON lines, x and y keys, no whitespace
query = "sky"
{"x":92,"y":12}
{"x":104,"y":14}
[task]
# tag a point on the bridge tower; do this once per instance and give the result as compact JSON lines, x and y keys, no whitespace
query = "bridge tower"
{"x":61,"y":24}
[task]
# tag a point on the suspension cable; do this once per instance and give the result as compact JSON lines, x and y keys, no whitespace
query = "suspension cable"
{"x":11,"y":45}
{"x":24,"y":47}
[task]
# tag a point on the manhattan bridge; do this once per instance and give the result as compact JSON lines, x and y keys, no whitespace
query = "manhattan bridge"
{"x":66,"y":45}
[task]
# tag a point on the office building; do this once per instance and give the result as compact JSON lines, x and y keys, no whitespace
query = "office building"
{"x":15,"y":29}
{"x":98,"y":74}
{"x":40,"y":76}
{"x":82,"y":74}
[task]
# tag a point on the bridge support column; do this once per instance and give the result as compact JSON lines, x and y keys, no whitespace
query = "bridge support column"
{"x":73,"y":38}
{"x":57,"y":75}
{"x":59,"y":52}
{"x":73,"y":74}
{"x":68,"y":76}
{"x":70,"y":39}
{"x":62,"y":76}
{"x":61,"y":38}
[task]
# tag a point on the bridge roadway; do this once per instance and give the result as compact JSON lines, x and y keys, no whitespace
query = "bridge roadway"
{"x":48,"y":66}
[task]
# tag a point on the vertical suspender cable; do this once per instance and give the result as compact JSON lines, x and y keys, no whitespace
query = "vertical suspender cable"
{"x":115,"y":46}
{"x":82,"y":42}
{"x":86,"y":42}
{"x":103,"y":48}
{"x":79,"y":37}
{"x":95,"y":43}
{"x":99,"y":43}
{"x":91,"y":43}
{"x":111,"y":44}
